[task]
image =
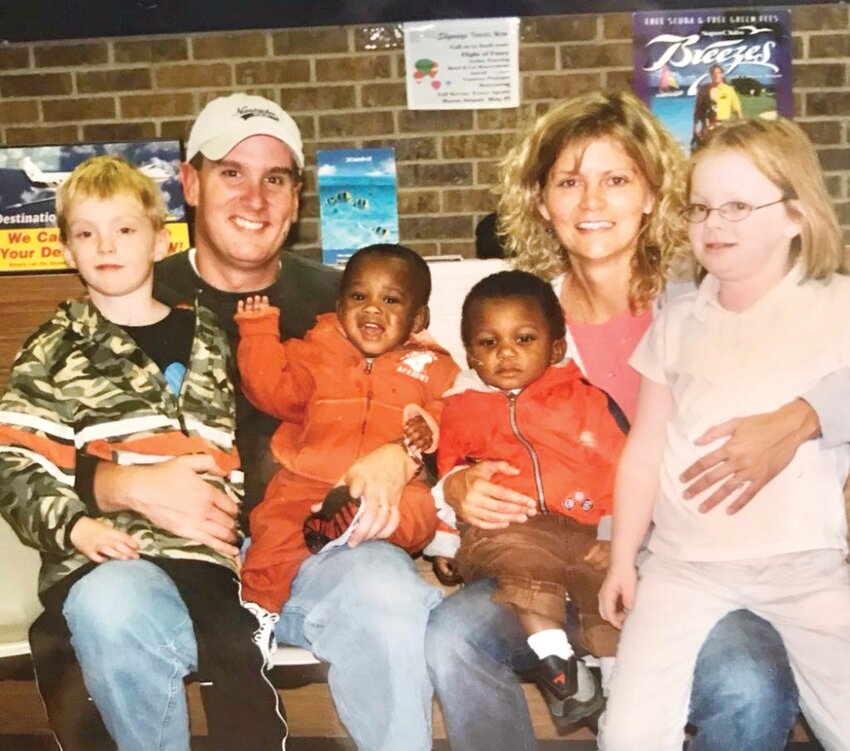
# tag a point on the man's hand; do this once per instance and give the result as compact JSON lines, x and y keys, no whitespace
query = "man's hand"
{"x":759,"y":448}
{"x":483,"y":503}
{"x":378,"y":480}
{"x":174,"y":496}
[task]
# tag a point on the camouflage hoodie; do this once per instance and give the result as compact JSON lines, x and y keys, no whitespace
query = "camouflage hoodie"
{"x":81,"y":384}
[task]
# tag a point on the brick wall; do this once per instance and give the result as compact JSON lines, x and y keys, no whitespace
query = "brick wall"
{"x":345,"y":87}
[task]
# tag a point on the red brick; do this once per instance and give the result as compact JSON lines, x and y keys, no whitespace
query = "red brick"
{"x":469,"y":200}
{"x":829,"y":45}
{"x":14,"y":56}
{"x":435,"y":228}
{"x":617,"y":26}
{"x":122,"y":131}
{"x":381,"y":37}
{"x":819,"y":75}
{"x":197,"y":76}
{"x":383,"y":95}
{"x":35,"y":84}
{"x":418,"y":202}
{"x":463,"y":248}
{"x":828,"y":103}
{"x":822,"y":132}
{"x":558,"y":28}
{"x":151,"y":50}
{"x":120,"y":79}
{"x":618,"y":79}
{"x":429,"y":121}
{"x":305,"y":231}
{"x":477,"y":146}
{"x":157,"y":105}
{"x":232,"y":44}
{"x":48,"y":134}
{"x":307,"y":125}
{"x":434,"y":175}
{"x":65,"y":55}
{"x":560,"y":86}
{"x":537,"y":58}
{"x":616,"y":55}
{"x":175,"y":129}
{"x":355,"y":124}
{"x":19,"y":112}
{"x":316,"y":98}
{"x":272,"y":72}
{"x":423,"y":248}
{"x":355,"y":68}
{"x":58,"y":110}
{"x":487,"y":173}
{"x":310,"y":41}
{"x":407,"y":149}
{"x":821,"y":17}
{"x":833,"y":160}
{"x":504,"y":119}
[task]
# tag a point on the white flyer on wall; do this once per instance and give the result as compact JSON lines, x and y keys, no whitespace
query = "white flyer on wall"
{"x":462,"y":64}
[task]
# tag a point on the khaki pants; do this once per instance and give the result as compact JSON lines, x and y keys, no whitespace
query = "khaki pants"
{"x":536,"y":566}
{"x":806,"y":596}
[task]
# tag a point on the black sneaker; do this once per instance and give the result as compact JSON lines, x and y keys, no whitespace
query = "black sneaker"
{"x":557,"y":680}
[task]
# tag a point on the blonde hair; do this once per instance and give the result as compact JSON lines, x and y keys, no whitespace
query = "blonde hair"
{"x":576,"y":122}
{"x":104,"y":177}
{"x":782,"y":152}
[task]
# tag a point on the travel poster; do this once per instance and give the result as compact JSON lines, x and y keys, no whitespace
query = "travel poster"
{"x":357,"y":200}
{"x":699,"y":68}
{"x":30,"y":176}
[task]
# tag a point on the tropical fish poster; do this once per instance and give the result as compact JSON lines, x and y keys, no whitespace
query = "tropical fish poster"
{"x":357,"y":200}
{"x":699,"y":68}
{"x":462,"y":64}
{"x":30,"y":176}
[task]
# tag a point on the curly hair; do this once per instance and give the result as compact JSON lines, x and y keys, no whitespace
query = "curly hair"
{"x":576,"y":122}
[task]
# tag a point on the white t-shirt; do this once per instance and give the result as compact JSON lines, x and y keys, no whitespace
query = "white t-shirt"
{"x":721,"y":364}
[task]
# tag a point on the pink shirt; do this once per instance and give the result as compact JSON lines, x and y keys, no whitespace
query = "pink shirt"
{"x":605,"y":348}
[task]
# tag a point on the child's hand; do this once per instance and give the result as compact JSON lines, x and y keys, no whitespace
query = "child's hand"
{"x":445,"y":569}
{"x":617,"y":594}
{"x":99,"y":541}
{"x":417,"y":434}
{"x":599,"y":556}
{"x":253,"y":305}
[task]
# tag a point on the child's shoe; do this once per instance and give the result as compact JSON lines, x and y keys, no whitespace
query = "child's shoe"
{"x":572,"y":691}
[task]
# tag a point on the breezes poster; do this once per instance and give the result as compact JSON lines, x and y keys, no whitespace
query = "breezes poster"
{"x":357,"y":200}
{"x":699,"y":68}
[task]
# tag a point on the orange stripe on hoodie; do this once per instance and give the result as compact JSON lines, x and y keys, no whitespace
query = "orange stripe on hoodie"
{"x":63,"y":455}
{"x":166,"y":444}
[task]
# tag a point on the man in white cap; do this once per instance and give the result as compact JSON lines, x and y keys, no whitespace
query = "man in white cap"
{"x":362,"y":609}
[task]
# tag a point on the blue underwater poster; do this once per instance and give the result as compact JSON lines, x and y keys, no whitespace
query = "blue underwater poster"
{"x":357,"y":200}
{"x":699,"y":68}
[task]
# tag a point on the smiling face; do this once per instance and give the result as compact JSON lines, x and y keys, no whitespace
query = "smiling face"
{"x":245,"y":204}
{"x":114,"y":245}
{"x":377,"y":307}
{"x":510,"y":342}
{"x":755,"y":251}
{"x":595,"y":198}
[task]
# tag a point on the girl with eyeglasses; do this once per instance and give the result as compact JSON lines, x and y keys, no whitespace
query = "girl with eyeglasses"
{"x":759,"y":330}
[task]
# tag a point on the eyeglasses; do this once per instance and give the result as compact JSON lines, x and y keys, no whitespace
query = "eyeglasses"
{"x":733,"y":211}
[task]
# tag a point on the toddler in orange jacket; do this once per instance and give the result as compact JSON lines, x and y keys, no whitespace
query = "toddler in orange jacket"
{"x":341,"y":392}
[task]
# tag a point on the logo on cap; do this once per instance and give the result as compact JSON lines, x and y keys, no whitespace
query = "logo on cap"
{"x":246,"y":113}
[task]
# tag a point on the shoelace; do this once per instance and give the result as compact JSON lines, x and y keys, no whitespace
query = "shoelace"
{"x":264,"y":635}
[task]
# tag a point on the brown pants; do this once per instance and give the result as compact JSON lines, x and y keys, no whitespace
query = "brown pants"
{"x":537,"y":566}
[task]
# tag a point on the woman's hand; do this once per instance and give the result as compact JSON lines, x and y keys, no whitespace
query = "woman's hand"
{"x":617,"y":594}
{"x":758,"y":448}
{"x":483,"y":503}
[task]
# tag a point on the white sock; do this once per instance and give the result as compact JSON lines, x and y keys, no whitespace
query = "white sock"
{"x":585,"y":685}
{"x":552,"y":641}
{"x":606,"y":667}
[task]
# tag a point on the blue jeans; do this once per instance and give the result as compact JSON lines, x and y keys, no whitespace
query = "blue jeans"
{"x":364,"y":611}
{"x":138,"y":628}
{"x":744,"y":695}
{"x":134,"y":641}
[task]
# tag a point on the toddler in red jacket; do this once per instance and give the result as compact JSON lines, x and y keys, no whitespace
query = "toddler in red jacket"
{"x":346,"y":389}
{"x":519,"y":405}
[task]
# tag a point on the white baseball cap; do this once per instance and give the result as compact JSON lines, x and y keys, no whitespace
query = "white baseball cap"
{"x":227,"y":120}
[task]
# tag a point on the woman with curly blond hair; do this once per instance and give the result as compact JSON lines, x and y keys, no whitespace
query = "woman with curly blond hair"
{"x":591,"y":200}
